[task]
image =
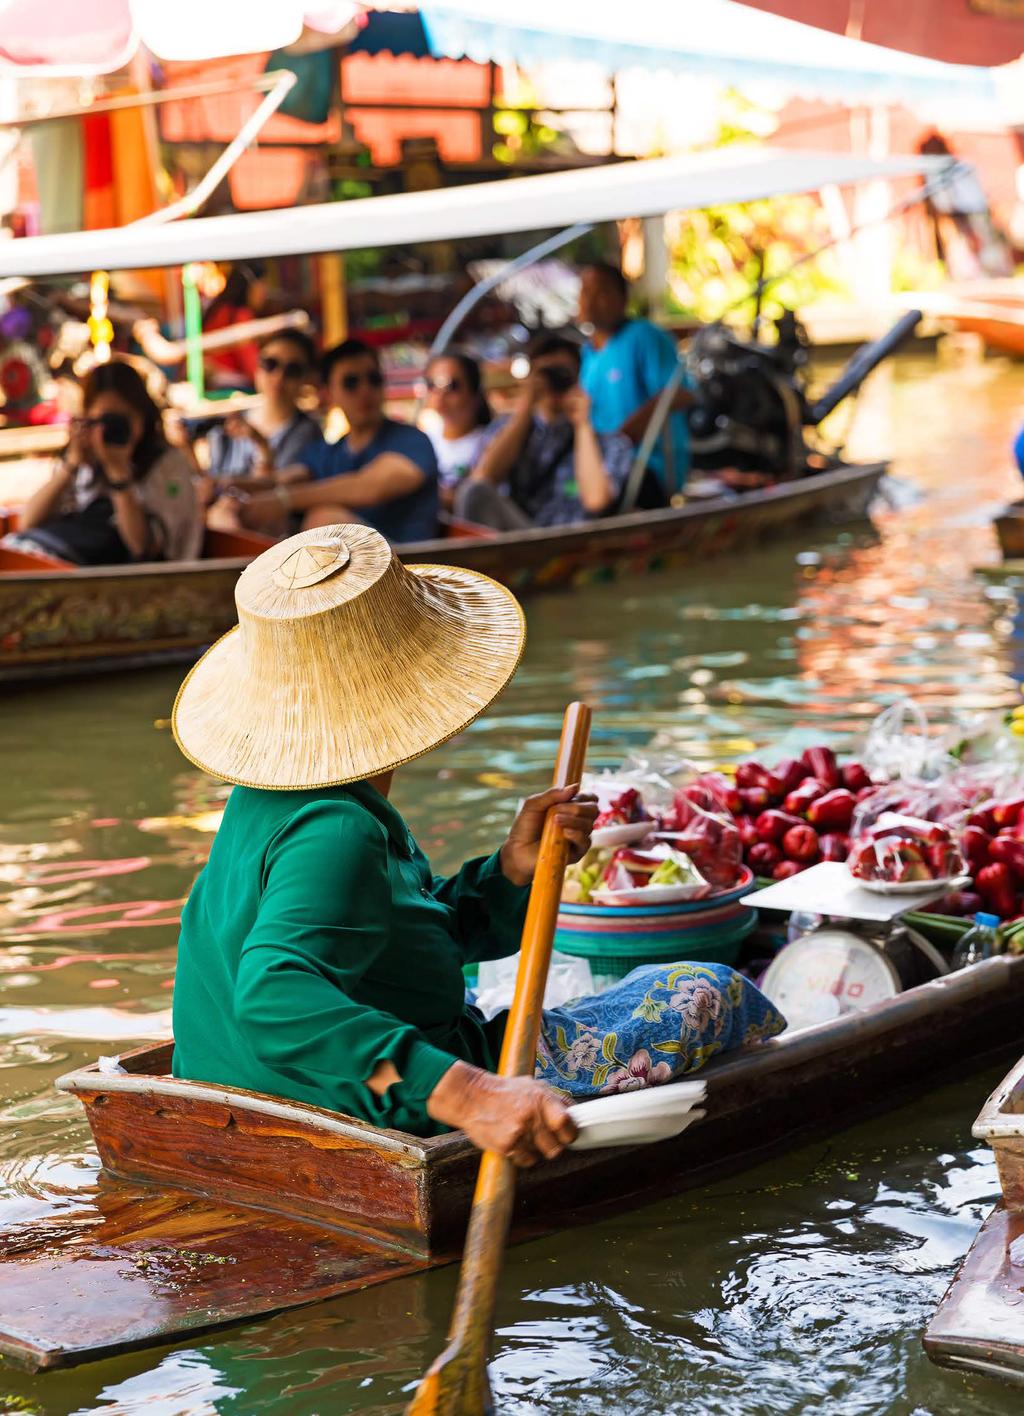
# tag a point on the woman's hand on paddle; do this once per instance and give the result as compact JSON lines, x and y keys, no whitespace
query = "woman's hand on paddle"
{"x":517,"y":1117}
{"x":575,"y":814}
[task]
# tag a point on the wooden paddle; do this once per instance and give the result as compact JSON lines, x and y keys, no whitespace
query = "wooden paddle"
{"x":456,"y":1384}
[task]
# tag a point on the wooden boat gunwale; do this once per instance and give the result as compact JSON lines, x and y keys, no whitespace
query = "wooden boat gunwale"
{"x":437,"y":549}
{"x":760,"y":1059}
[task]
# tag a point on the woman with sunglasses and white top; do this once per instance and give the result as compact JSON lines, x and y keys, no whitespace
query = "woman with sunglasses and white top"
{"x":255,"y":447}
{"x":455,"y":394}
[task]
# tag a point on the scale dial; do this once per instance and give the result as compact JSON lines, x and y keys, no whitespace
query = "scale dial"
{"x":827,"y":973}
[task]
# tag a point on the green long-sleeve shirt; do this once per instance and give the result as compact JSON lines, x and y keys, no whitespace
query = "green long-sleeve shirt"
{"x":316,"y":944}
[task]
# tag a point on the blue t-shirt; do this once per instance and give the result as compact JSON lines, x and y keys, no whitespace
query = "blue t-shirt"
{"x":409,"y":518}
{"x":633,"y":366}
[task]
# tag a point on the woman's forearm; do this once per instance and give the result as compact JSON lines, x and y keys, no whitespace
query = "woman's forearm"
{"x":132,"y":522}
{"x":41,"y":503}
{"x":596,"y":492}
{"x":500,"y":456}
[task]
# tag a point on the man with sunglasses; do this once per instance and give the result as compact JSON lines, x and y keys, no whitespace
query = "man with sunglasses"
{"x":382,"y":471}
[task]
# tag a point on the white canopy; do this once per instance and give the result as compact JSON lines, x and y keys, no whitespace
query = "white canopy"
{"x":558,"y":199}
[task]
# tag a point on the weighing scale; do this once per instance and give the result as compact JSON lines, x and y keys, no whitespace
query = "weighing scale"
{"x":830,"y":971}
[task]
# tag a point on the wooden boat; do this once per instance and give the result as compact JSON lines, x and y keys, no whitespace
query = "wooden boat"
{"x":217,"y":1205}
{"x":57,"y":619}
{"x":979,"y":1325}
{"x":1009,"y":526}
{"x":991,"y":309}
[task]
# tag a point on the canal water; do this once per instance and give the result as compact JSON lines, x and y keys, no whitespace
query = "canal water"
{"x":798,"y":1287}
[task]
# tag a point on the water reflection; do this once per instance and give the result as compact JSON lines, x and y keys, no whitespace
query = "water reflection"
{"x":801,"y":1287}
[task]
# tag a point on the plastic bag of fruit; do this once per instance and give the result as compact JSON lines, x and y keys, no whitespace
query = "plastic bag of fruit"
{"x":699,"y":825}
{"x":899,"y":849}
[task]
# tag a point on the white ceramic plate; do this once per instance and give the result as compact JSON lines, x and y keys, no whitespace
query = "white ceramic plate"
{"x":621,"y":835}
{"x":651,"y":894}
{"x":637,"y":1118}
{"x":913,"y":887}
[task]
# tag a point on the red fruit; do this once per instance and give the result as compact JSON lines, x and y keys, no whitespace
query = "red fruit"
{"x":800,"y":798}
{"x":700,"y":796}
{"x":787,"y":775}
{"x":763,"y":858}
{"x":1005,"y":813}
{"x":821,"y":763}
{"x":749,"y":834}
{"x":786,"y":868}
{"x":833,"y":811}
{"x":942,"y":860}
{"x":751,"y":774}
{"x":724,"y":791}
{"x":754,"y":799}
{"x":982,"y":816}
{"x":974,"y":842}
{"x":865,"y":792}
{"x":855,"y":777}
{"x":997,"y":887}
{"x":1008,"y":851}
{"x":958,"y":902}
{"x":915,"y":827}
{"x":801,"y":843}
{"x":834,"y":847}
{"x":772,"y":825}
{"x":863,"y":861}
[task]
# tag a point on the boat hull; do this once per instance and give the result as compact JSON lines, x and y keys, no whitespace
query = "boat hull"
{"x":61,"y":623}
{"x":217,"y":1152}
{"x":979,"y":1325}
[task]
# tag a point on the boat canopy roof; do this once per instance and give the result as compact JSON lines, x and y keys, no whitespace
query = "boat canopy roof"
{"x":611,"y":192}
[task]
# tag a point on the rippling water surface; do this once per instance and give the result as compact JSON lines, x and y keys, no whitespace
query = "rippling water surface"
{"x":798,"y":1287}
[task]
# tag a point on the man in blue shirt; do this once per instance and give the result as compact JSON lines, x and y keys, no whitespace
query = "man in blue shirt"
{"x":626,"y":364}
{"x":381,"y":472}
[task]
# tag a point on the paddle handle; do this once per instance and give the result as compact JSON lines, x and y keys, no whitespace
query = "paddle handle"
{"x":457,"y":1382}
{"x":522,"y":1030}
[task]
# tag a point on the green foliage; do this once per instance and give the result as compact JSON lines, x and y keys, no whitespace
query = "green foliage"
{"x":716,"y":256}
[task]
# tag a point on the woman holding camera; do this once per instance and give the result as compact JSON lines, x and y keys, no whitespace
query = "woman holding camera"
{"x":545,"y":465}
{"x":119,"y":493}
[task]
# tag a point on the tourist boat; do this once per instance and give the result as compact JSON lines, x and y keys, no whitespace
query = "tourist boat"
{"x":979,"y":1325}
{"x":217,"y":1205}
{"x":57,"y":619}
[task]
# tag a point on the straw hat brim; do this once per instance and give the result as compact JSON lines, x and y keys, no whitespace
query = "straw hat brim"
{"x":277,"y":737}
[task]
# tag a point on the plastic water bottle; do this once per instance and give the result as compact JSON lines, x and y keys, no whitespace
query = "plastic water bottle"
{"x":980,"y":942}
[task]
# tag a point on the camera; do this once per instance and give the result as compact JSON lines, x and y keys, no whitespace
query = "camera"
{"x":557,"y":378}
{"x":115,"y":429}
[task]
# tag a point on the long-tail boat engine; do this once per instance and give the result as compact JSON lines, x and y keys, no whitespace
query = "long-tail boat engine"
{"x":752,"y":404}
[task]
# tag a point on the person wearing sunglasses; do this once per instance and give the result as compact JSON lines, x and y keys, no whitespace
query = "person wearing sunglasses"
{"x":382,"y":472}
{"x":119,"y":493}
{"x":252,"y":448}
{"x":455,"y":395}
{"x":545,"y":465}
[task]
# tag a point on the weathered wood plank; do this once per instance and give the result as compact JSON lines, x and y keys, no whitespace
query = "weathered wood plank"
{"x":979,"y":1325}
{"x":134,"y":1266}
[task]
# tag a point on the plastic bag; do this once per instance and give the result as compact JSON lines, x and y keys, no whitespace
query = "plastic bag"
{"x":900,"y":745}
{"x":568,"y":978}
{"x":699,"y":826}
{"x":901,"y":849}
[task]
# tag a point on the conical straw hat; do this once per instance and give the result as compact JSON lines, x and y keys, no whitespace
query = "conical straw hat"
{"x":345,"y":663}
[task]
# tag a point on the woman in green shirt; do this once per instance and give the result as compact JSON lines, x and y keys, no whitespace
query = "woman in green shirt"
{"x":319,"y":958}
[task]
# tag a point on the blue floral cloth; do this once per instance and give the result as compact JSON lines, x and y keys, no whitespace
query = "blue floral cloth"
{"x":661,"y":1021}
